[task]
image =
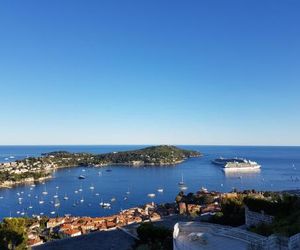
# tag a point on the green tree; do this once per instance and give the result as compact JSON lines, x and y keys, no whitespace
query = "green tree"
{"x":13,"y":234}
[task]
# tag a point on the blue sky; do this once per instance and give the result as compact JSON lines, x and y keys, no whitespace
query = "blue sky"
{"x":150,"y":72}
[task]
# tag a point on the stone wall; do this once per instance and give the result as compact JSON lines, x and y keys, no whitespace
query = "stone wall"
{"x":254,"y":218}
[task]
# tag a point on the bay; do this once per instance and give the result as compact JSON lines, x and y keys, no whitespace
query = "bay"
{"x":130,"y":186}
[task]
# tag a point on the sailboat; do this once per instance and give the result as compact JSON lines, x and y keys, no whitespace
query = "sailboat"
{"x":66,"y":197}
{"x":30,"y":206}
{"x":41,"y":201}
{"x":56,"y":203}
{"x":56,"y":195}
{"x":181,"y":183}
{"x":45,"y":191}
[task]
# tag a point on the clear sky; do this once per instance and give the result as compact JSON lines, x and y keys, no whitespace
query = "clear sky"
{"x":150,"y":72}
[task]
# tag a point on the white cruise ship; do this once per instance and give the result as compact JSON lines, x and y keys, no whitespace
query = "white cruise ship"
{"x":236,"y":164}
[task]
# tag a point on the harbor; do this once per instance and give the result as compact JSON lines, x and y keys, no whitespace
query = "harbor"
{"x":106,"y":190}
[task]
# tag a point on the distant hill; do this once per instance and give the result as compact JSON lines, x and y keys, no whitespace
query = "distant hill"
{"x":37,"y":168}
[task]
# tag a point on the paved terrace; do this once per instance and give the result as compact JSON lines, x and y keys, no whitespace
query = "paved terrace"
{"x":104,"y":240}
{"x":206,"y":236}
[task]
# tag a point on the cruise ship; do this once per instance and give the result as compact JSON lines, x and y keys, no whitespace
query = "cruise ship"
{"x":235,"y":164}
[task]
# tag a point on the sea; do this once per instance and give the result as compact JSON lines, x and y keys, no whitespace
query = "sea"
{"x":125,"y":186}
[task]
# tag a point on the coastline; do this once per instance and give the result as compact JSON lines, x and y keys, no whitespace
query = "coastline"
{"x":37,"y":169}
{"x":11,"y":184}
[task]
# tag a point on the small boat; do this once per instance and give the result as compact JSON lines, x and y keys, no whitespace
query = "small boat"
{"x":53,"y":212}
{"x":76,"y":192}
{"x":99,"y":173}
{"x":1,"y":197}
{"x":151,"y":195}
{"x":45,"y":192}
{"x":125,"y":198}
{"x":181,"y":183}
{"x":81,"y":177}
{"x":11,"y":157}
{"x":82,"y":200}
{"x":183,"y":188}
{"x":66,"y":197}
{"x":113,"y":199}
{"x":41,"y":213}
{"x":97,"y":194}
{"x":55,"y":196}
{"x":83,"y":170}
{"x":41,"y":202}
{"x":30,"y":207}
{"x":80,"y":189}
{"x":6,"y":159}
{"x":105,"y":204}
{"x":18,"y":212}
{"x":92,"y":187}
{"x":56,"y":204}
{"x":22,"y":213}
{"x":160,"y":190}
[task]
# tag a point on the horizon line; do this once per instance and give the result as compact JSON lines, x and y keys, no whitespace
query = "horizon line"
{"x":213,"y":145}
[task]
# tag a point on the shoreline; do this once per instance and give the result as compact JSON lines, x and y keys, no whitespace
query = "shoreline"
{"x":11,"y":184}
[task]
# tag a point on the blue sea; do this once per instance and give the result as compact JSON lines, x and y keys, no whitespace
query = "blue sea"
{"x":130,"y":185}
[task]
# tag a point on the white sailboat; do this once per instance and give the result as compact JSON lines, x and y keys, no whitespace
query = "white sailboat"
{"x":181,"y":183}
{"x":45,"y":191}
{"x":56,"y":195}
{"x":56,"y":203}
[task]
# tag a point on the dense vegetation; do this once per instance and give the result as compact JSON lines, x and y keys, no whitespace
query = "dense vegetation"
{"x":151,"y":155}
{"x":13,"y":234}
{"x":232,"y":212}
{"x":154,"y":237}
{"x":286,"y":211}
